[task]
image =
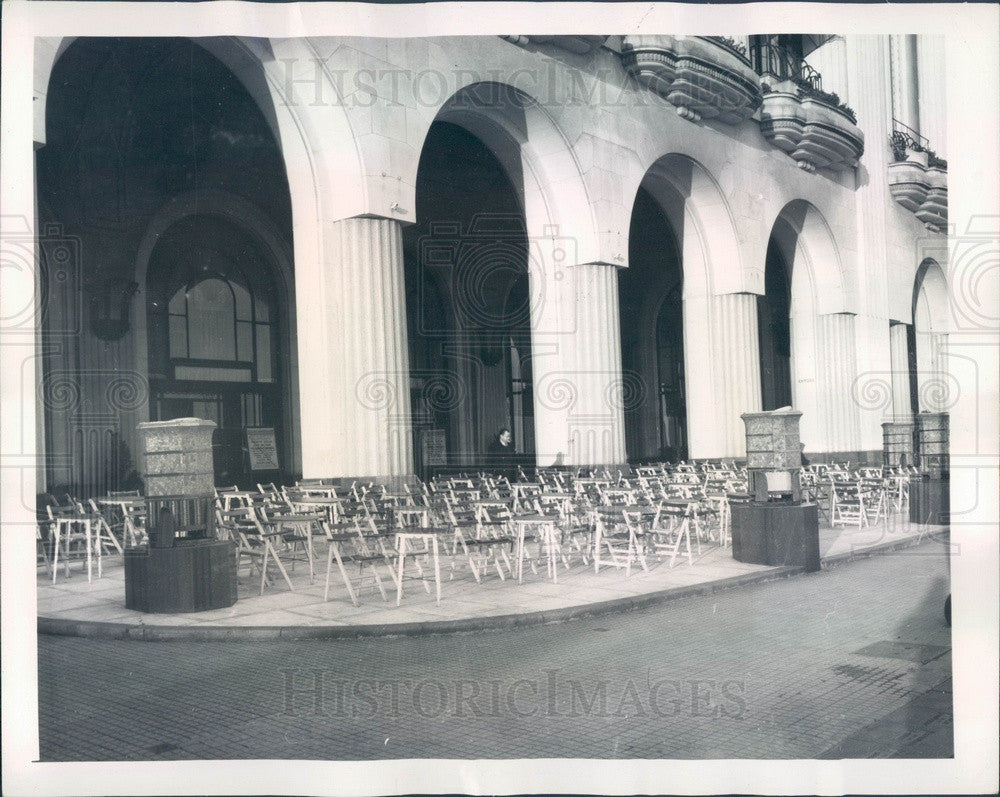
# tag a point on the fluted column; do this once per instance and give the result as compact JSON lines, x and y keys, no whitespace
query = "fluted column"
{"x":836,"y":374}
{"x":931,"y":92}
{"x":579,"y":389}
{"x":830,"y":60}
{"x":934,"y":388}
{"x":736,"y":360}
{"x":905,"y":106}
{"x":353,"y":363}
{"x":899,"y":352}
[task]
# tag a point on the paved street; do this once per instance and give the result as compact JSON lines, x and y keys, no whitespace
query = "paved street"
{"x":850,"y":662}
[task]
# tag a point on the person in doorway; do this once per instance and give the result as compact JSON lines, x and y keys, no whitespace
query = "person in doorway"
{"x":500,"y":451}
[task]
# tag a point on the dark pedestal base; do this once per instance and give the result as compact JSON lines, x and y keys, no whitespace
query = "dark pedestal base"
{"x":190,"y":577}
{"x":930,"y":501}
{"x":776,"y":534}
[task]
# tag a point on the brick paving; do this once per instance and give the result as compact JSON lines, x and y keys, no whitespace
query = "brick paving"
{"x":854,"y":660}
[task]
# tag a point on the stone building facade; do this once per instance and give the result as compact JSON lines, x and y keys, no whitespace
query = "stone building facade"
{"x":387,"y":249}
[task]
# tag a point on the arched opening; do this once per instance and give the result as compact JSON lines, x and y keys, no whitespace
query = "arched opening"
{"x":650,"y":294}
{"x":805,"y":290}
{"x":213,"y":336}
{"x":468,"y":309}
{"x":774,"y":331}
{"x":164,"y":171}
{"x":928,"y":340}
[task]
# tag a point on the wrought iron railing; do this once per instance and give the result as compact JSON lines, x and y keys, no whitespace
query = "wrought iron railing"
{"x":732,"y":45}
{"x":782,"y":63}
{"x":904,"y":138}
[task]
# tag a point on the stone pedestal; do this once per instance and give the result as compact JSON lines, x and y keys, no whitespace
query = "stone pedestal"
{"x":774,"y":453}
{"x":897,"y":444}
{"x":177,"y":457}
{"x":932,"y":444}
{"x":776,"y":534}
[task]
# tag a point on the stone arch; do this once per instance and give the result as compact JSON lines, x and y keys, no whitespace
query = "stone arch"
{"x":931,"y":324}
{"x":823,"y":358}
{"x":717,"y":307}
{"x":243,"y":214}
{"x":703,"y":225}
{"x":244,"y":59}
{"x":564,"y":271}
{"x":534,"y":152}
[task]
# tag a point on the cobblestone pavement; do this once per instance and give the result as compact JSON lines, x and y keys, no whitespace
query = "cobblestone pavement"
{"x":850,"y":662}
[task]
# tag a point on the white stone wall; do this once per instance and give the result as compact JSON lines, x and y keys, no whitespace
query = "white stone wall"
{"x":352,"y":115}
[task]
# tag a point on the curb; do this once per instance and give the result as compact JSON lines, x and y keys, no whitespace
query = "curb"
{"x":54,"y":626}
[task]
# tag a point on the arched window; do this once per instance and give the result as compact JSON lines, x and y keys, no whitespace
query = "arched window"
{"x":219,"y":330}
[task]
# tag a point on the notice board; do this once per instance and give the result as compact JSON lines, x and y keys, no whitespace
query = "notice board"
{"x":262,"y":448}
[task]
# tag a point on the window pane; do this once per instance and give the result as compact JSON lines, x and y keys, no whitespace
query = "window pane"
{"x":178,"y":337}
{"x":242,"y":302}
{"x":262,"y":308}
{"x":210,"y":373}
{"x":244,"y":340}
{"x":264,"y":353}
{"x":210,"y":321}
{"x":177,"y":303}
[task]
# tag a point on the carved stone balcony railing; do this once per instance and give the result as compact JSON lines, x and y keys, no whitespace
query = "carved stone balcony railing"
{"x":704,"y":77}
{"x":581,"y":45}
{"x":813,"y":127}
{"x":919,"y":182}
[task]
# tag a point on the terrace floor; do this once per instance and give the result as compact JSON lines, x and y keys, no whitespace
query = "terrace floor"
{"x":75,"y":607}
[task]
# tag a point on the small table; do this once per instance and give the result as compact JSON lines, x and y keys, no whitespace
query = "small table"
{"x":304,"y":524}
{"x":546,"y":527}
{"x":428,"y":536}
{"x":401,"y":513}
{"x":330,"y":505}
{"x":62,"y":523}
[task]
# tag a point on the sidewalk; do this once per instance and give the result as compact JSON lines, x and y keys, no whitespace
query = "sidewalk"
{"x":73,"y":607}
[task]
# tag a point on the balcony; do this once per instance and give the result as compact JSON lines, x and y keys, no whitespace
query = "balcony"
{"x":813,"y":126}
{"x":918,"y":179}
{"x":705,"y":77}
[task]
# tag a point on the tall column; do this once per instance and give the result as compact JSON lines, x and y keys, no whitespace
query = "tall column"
{"x":836,"y":374}
{"x":701,"y":386}
{"x":905,"y":106}
{"x":830,"y":60}
{"x":579,"y":389}
{"x":931,"y":92}
{"x":900,"y":372}
{"x":353,"y":362}
{"x":932,"y":370}
{"x":736,"y":360}
{"x":867,"y":64}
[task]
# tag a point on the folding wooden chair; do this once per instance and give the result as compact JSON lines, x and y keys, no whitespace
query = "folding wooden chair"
{"x":670,"y":529}
{"x":354,"y":560}
{"x":256,"y":544}
{"x":847,"y":508}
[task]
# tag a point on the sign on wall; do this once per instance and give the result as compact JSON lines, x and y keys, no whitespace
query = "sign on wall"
{"x":434,"y":447}
{"x":262,"y":448}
